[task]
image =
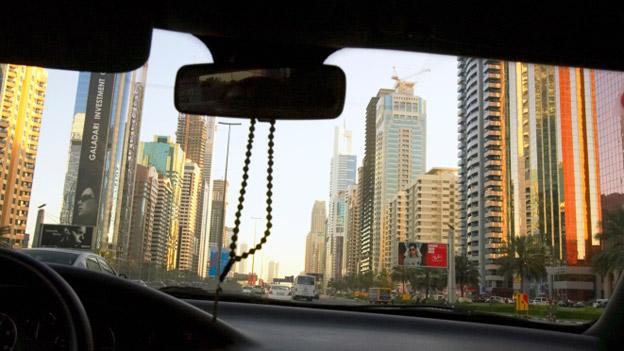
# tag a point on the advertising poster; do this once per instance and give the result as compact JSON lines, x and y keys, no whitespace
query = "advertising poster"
{"x":66,"y":236}
{"x":225,"y":256}
{"x":414,"y":254}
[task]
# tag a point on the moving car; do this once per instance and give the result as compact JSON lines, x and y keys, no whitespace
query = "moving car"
{"x":279,"y":292}
{"x":96,"y":311}
{"x":379,"y":296}
{"x":304,"y":287}
{"x":76,"y":258}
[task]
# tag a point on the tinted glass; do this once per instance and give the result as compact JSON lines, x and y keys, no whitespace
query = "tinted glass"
{"x":52,"y":256}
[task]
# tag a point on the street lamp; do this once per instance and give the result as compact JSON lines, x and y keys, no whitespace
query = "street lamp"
{"x":253,"y":244}
{"x":220,"y":237}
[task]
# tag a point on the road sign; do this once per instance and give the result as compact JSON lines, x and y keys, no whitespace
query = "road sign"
{"x":522,"y":302}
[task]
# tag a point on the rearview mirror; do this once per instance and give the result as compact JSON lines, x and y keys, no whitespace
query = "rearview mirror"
{"x":303,"y":92}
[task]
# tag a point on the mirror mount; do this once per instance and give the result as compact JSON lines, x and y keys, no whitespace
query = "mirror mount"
{"x":266,"y":92}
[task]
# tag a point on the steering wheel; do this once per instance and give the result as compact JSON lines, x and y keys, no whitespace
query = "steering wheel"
{"x":56,"y":288}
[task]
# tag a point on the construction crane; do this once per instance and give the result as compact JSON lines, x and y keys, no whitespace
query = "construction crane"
{"x":402,"y":84}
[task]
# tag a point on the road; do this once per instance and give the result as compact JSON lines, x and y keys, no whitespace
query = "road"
{"x":331,"y":300}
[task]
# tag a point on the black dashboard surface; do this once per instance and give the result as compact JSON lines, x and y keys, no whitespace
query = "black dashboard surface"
{"x":299,"y":328}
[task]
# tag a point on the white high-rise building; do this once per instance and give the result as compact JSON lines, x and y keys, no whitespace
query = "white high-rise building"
{"x":343,"y":175}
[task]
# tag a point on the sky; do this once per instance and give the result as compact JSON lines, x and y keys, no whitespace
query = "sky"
{"x":303,"y":149}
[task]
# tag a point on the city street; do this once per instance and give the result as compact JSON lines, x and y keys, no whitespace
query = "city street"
{"x":332,"y":300}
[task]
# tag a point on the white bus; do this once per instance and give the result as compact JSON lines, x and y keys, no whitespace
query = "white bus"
{"x":304,"y":287}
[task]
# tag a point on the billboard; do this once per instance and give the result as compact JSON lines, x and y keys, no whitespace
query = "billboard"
{"x":66,"y":236}
{"x":93,"y":150}
{"x":413,"y":254}
{"x":225,"y":257}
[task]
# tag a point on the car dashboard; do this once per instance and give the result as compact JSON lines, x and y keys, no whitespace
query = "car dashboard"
{"x":127,"y":316}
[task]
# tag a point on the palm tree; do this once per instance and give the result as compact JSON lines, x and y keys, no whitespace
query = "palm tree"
{"x":427,"y":278}
{"x":401,"y":274}
{"x":383,"y":280}
{"x":611,"y":258}
{"x":466,"y":272}
{"x":524,"y":256}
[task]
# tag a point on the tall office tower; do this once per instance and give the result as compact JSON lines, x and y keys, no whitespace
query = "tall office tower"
{"x":610,"y":125}
{"x":483,"y":183}
{"x":168,"y":159}
{"x":216,"y":220}
{"x":530,"y":165}
{"x":241,"y":266}
{"x":315,"y":240}
{"x":273,"y":271}
{"x":342,"y":175}
{"x":367,"y":189}
{"x":187,"y":254}
{"x":400,"y":157}
{"x":195,"y":134}
{"x":22,"y":92}
{"x":71,"y":176}
{"x":143,"y":213}
{"x":162,"y":239}
{"x":104,"y":175}
{"x":351,"y":253}
{"x":432,"y":205}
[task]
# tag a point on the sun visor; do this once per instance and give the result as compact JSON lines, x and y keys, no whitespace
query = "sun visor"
{"x":83,"y":37}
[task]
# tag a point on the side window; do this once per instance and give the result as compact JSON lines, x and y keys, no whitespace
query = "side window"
{"x":92,"y":264}
{"x":105,"y":267}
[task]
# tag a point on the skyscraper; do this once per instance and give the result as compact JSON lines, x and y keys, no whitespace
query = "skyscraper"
{"x":610,"y":126}
{"x":241,"y":266}
{"x":143,"y":215}
{"x":22,"y":92}
{"x":351,"y":255}
{"x":103,"y":176}
{"x":315,"y":240}
{"x":532,"y":140}
{"x":273,"y":271}
{"x":195,"y":134}
{"x":400,"y":156}
{"x":163,"y":239}
{"x":216,"y":220}
{"x":73,"y":162}
{"x":432,"y":205}
{"x":367,"y":189}
{"x":187,"y":248}
{"x":481,"y":94}
{"x":168,"y":159}
{"x":342,"y":175}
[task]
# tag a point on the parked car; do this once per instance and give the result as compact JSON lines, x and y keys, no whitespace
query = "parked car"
{"x":540,"y":300}
{"x":77,"y":258}
{"x":600,"y":303}
{"x":579,"y":304}
{"x":496,"y":299}
{"x":246,"y":290}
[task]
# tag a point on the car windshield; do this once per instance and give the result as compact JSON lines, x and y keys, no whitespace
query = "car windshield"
{"x":59,"y":257}
{"x":477,"y":183}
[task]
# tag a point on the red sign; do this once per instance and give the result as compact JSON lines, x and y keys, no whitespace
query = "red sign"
{"x":436,"y":255}
{"x":415,"y":254}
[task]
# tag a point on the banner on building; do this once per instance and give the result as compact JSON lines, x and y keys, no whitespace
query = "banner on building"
{"x":66,"y":236}
{"x":225,"y":256}
{"x":93,"y":150}
{"x":415,"y":254}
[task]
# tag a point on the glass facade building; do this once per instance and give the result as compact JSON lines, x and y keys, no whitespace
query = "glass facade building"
{"x":529,"y":162}
{"x":400,"y":157}
{"x":119,"y":161}
{"x":610,"y":121}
